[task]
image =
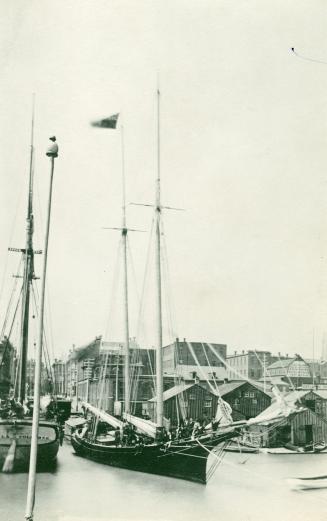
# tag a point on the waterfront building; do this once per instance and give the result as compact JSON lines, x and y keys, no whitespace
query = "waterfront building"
{"x":248,"y":364}
{"x":195,"y":360}
{"x":96,"y":370}
{"x":313,"y":399}
{"x":318,"y":370}
{"x":245,"y":399}
{"x":301,"y":429}
{"x":186,"y":401}
{"x":99,"y":369}
{"x":59,"y":376}
{"x":46,"y":379}
{"x":71,"y":374}
{"x":296,"y":371}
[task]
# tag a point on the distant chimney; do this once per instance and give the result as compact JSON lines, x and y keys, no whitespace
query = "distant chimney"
{"x":242,"y":351}
{"x":235,"y":352}
{"x":225,"y":380}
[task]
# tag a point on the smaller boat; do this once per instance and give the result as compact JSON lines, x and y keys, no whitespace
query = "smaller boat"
{"x":308,"y":483}
{"x":282,"y":450}
{"x":243,"y":448}
{"x":315,"y":448}
{"x":72,"y":424}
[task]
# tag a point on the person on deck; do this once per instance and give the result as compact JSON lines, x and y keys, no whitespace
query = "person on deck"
{"x":17,"y":408}
{"x":214,"y":424}
{"x":117,"y":436}
{"x":196,"y":428}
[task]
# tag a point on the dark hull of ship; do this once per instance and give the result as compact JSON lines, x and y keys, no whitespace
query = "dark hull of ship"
{"x":20,"y":430}
{"x":183,"y":459}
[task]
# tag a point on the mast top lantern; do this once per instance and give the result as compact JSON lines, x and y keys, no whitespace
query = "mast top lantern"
{"x":53,"y":149}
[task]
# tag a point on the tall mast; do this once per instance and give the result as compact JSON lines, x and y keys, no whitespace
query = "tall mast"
{"x":124,"y":231}
{"x":52,"y":153}
{"x":28,"y":274}
{"x":159,"y":354}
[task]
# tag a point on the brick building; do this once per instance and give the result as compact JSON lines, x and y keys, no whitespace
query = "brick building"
{"x":183,"y":358}
{"x":99,"y":372}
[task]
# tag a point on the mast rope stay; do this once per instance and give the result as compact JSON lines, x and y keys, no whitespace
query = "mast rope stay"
{"x":8,"y":310}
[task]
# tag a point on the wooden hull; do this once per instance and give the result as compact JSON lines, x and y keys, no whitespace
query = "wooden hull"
{"x":183,"y":459}
{"x":284,"y":450}
{"x":20,"y":432}
{"x":234,"y":447}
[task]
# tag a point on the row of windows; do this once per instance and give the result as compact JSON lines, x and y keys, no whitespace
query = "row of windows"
{"x":236,"y":402}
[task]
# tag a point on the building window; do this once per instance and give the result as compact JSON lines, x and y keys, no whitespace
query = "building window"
{"x":251,"y":395}
{"x":192,"y":396}
{"x":246,"y":394}
{"x":254,"y":401}
{"x":207,"y":403}
{"x":311,"y":404}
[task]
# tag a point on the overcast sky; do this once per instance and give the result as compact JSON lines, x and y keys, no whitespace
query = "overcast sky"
{"x":244,"y":129}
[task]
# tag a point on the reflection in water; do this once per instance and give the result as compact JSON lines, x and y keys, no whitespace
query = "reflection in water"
{"x":249,"y":487}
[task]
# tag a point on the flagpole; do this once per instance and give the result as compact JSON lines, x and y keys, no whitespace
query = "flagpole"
{"x":126,"y":316}
{"x":52,"y":153}
{"x":111,"y":122}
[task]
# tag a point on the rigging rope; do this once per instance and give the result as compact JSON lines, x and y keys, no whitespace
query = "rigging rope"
{"x":10,"y":331}
{"x":141,"y":331}
{"x":45,"y":350}
{"x":116,"y":277}
{"x":11,"y":298}
{"x":232,"y":369}
{"x":11,"y":234}
{"x":190,"y":347}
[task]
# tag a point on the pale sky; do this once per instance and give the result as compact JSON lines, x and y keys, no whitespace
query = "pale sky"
{"x":243,"y":127}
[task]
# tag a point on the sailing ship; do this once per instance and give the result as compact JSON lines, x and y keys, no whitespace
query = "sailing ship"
{"x":16,"y":411}
{"x":184,"y":458}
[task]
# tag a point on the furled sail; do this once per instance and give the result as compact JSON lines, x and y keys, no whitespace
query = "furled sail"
{"x":224,"y":413}
{"x":279,"y":409}
{"x":145,"y":426}
{"x":104,"y":416}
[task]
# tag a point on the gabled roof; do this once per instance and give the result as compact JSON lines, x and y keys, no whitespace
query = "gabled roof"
{"x":261,"y":386}
{"x":174,"y":391}
{"x":303,"y":392}
{"x":231,"y":386}
{"x":281,"y":363}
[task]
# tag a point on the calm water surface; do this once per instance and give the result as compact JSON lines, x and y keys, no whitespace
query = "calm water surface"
{"x":248,"y":487}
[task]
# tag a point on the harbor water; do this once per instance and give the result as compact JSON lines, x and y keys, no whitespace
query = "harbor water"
{"x":245,"y":487}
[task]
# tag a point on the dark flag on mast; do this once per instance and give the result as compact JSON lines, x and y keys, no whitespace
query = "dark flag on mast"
{"x":110,"y":122}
